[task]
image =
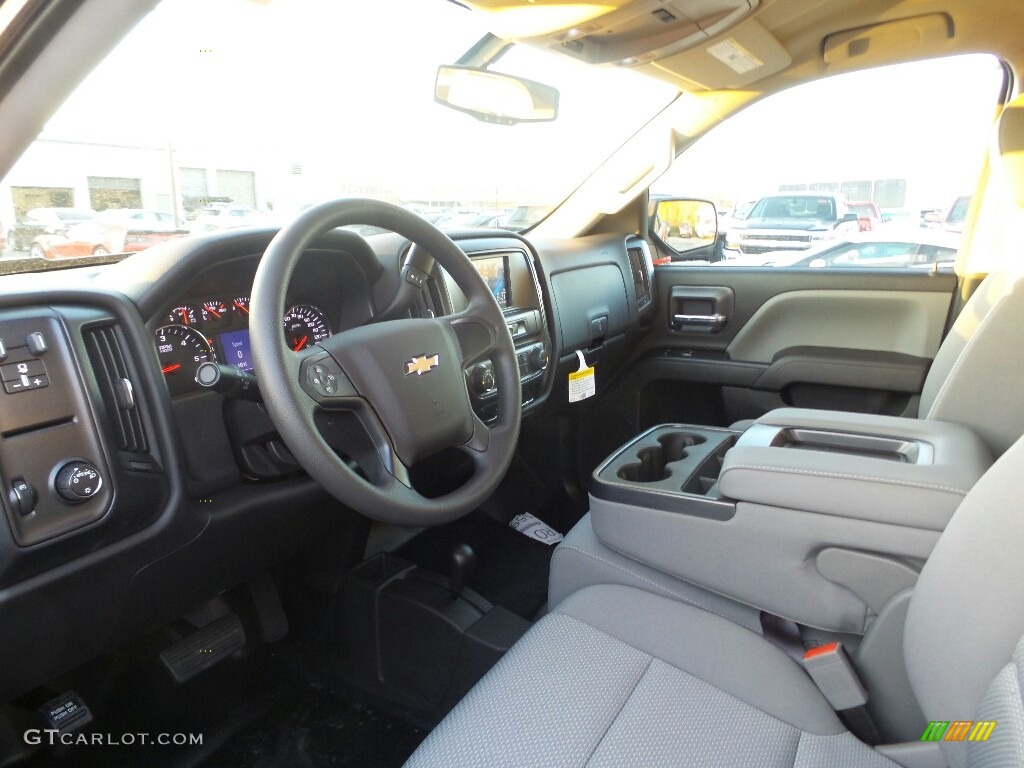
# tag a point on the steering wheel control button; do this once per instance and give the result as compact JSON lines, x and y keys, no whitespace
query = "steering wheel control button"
{"x":416,"y":277}
{"x":322,"y":380}
{"x":23,"y":497}
{"x":36,"y":343}
{"x":324,"y":376}
{"x":78,"y":481}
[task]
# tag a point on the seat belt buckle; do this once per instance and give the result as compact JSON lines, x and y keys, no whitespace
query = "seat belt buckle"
{"x":832,"y":671}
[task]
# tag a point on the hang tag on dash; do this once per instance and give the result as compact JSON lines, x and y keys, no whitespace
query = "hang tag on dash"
{"x":582,"y":383}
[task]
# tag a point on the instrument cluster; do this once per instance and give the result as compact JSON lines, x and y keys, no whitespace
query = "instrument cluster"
{"x":217,"y":330}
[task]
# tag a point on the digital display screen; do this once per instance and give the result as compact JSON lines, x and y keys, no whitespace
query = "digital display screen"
{"x":237,"y":352}
{"x":494,"y":271}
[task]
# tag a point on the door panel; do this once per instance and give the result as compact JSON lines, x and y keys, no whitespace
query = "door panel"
{"x":853,"y":340}
{"x":905,"y":322}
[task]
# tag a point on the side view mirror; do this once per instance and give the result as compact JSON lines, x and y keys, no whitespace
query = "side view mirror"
{"x":683,"y":224}
{"x":849,"y":217}
{"x":495,"y":97}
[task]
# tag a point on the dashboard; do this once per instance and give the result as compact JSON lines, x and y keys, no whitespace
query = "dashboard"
{"x":133,"y":494}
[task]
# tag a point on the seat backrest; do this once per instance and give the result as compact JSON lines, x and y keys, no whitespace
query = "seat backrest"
{"x":964,"y":641}
{"x":964,"y":627}
{"x":978,"y":374}
{"x":978,"y":371}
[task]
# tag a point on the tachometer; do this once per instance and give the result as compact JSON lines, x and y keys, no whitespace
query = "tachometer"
{"x":181,"y":350}
{"x":185,"y":315}
{"x":304,"y":325}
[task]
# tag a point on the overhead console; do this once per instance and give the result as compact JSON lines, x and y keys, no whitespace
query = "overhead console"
{"x":712,"y":44}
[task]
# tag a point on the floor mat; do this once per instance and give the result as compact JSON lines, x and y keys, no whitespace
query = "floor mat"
{"x":320,"y":728}
{"x":511,"y":571}
{"x":276,"y":708}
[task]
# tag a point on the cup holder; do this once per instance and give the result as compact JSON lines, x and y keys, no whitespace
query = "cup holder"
{"x":654,"y":460}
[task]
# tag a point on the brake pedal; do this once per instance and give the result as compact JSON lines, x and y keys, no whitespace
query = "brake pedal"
{"x":204,"y":648}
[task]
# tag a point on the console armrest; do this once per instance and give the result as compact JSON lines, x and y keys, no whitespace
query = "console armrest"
{"x":886,"y":469}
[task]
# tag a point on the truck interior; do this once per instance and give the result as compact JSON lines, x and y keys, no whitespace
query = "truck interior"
{"x":342,"y":487}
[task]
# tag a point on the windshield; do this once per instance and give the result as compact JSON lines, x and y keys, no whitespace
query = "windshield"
{"x":239,"y":113}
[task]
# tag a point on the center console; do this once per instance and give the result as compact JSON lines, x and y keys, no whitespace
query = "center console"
{"x":815,"y":516}
{"x":511,"y":275}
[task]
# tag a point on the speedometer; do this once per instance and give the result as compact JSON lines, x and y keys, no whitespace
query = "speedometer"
{"x":181,"y":350}
{"x":304,"y":325}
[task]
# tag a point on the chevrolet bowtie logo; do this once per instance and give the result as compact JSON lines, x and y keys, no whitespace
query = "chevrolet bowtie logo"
{"x":422,"y":364}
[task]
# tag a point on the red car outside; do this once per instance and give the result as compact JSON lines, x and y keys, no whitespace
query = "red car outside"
{"x":117,"y":231}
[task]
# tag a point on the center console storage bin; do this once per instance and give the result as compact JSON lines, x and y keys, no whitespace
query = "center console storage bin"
{"x":763,"y":517}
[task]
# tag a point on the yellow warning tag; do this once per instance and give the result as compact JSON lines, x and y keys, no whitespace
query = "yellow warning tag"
{"x":582,"y":383}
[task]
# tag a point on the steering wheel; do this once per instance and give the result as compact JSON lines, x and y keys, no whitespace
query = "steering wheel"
{"x":389,"y":393}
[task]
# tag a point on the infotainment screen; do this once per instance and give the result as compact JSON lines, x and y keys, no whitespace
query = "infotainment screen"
{"x":237,"y":352}
{"x":494,"y":271}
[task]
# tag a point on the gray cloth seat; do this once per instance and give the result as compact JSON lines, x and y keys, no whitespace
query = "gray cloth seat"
{"x":618,"y":676}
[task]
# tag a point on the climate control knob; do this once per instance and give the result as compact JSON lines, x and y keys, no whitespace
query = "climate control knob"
{"x":539,"y":358}
{"x":482,"y":379}
{"x":78,"y":481}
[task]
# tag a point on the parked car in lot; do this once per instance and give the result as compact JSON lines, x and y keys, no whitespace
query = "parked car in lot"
{"x":876,"y":249}
{"x":957,"y":214}
{"x":45,"y":221}
{"x":868,"y":215}
{"x":790,"y":222}
{"x":218,"y":217}
{"x":113,"y":231}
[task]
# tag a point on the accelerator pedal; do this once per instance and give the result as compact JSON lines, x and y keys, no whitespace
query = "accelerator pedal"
{"x":204,"y":648}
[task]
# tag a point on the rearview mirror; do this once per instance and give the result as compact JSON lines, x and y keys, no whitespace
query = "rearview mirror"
{"x":495,"y":97}
{"x":684,"y":224}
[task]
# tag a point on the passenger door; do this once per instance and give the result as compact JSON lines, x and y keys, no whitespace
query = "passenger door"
{"x":837,"y":337}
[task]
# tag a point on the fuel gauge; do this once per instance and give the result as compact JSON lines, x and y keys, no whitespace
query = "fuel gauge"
{"x":240,"y":306}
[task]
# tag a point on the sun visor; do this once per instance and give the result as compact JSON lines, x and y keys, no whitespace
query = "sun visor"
{"x":746,"y":54}
{"x":887,"y":42}
{"x":627,"y":33}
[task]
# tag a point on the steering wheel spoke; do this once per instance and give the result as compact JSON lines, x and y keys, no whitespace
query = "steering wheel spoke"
{"x":478,"y":338}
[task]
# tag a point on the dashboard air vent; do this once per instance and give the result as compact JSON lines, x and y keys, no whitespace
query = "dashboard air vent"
{"x":111,"y":370}
{"x":641,"y":276}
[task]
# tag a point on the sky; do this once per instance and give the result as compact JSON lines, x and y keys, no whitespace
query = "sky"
{"x":345,"y":89}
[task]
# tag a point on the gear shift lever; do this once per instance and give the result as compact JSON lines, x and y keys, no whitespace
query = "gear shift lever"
{"x":463,"y":564}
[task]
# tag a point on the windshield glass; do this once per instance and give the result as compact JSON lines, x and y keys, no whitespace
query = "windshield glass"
{"x":246,"y":113}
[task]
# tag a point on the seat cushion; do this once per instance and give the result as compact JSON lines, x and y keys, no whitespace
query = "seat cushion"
{"x":616,"y":676}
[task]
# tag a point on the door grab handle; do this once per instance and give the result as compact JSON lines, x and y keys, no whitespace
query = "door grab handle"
{"x":712,"y":323}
